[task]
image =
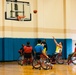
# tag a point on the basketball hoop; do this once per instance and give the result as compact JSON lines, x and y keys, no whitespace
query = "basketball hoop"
{"x":20,"y":18}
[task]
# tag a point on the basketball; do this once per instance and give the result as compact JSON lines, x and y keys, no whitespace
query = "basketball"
{"x":35,"y":11}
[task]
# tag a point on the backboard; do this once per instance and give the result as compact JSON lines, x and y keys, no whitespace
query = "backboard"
{"x":17,"y":8}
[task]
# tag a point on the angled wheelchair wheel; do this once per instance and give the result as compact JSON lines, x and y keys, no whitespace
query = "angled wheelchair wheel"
{"x":73,"y":60}
{"x":20,"y":59}
{"x":45,"y":63}
{"x":59,"y":59}
{"x":36,"y":64}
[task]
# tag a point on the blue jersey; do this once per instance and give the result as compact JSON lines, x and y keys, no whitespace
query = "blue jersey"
{"x":38,"y":48}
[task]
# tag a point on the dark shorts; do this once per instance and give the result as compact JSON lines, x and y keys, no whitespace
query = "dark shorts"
{"x":38,"y":55}
{"x":27,"y":55}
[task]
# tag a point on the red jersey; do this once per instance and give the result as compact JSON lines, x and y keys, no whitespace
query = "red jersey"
{"x":27,"y":49}
{"x":75,"y":49}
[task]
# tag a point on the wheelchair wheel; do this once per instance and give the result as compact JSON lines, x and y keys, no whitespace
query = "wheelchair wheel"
{"x":59,"y":59}
{"x":20,"y":60}
{"x":74,"y":60}
{"x":36,"y":64}
{"x":45,"y":64}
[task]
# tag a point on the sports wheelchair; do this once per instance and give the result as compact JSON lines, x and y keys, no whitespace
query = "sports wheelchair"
{"x":22,"y":60}
{"x":56,"y":58}
{"x":43,"y":62}
{"x":72,"y":60}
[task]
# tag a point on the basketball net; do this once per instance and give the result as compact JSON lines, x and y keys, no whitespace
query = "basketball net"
{"x":21,"y":18}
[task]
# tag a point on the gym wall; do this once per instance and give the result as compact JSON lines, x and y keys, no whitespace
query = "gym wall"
{"x":53,"y":18}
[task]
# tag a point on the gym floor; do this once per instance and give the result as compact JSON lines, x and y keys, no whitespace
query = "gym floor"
{"x":12,"y":68}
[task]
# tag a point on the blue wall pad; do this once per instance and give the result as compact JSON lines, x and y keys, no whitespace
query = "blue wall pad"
{"x":68,"y":47}
{"x":1,"y":49}
{"x":10,"y":46}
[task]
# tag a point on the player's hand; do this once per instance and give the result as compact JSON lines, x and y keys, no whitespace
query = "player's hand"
{"x":48,"y":57}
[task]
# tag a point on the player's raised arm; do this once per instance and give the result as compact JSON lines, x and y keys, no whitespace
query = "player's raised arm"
{"x":55,"y":40}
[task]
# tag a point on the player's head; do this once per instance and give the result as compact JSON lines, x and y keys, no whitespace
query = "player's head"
{"x":39,"y":41}
{"x":43,"y":43}
{"x":22,"y":45}
{"x":60,"y":43}
{"x":75,"y":44}
{"x":28,"y":43}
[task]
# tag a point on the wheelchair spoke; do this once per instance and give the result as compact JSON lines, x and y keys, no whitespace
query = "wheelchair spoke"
{"x":74,"y":60}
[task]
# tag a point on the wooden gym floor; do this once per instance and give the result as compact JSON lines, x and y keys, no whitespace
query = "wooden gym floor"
{"x":12,"y":68}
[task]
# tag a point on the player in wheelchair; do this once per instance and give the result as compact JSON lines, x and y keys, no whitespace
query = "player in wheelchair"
{"x":57,"y":56}
{"x":25,"y":56}
{"x":72,"y":57}
{"x":41,"y":58}
{"x":21,"y":55}
{"x":21,"y":50}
